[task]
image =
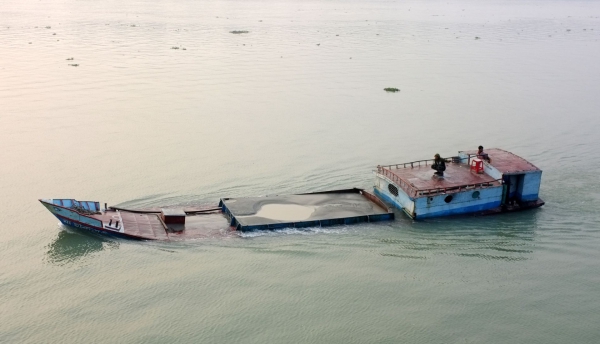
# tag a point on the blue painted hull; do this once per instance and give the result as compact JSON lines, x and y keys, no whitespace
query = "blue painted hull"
{"x":494,"y":207}
{"x":85,"y":227}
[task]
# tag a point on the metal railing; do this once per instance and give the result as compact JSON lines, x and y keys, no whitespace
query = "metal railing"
{"x":404,"y":185}
{"x":458,"y":188}
{"x":418,"y":163}
{"x":413,"y":191}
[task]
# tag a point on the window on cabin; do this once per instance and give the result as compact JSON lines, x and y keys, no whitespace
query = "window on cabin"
{"x":393,"y":189}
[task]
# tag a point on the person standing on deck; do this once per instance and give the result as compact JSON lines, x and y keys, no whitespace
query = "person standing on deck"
{"x":482,"y":155}
{"x":439,"y":165}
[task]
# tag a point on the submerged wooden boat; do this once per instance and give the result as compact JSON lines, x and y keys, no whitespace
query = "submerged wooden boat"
{"x":469,"y":185}
{"x":318,"y":209}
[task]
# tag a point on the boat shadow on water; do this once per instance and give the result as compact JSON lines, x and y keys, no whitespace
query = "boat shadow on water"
{"x":70,"y":246}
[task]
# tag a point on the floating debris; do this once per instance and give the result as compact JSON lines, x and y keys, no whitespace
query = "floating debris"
{"x":132,"y":25}
{"x":391,"y":89}
{"x":48,"y":27}
{"x":175,"y":48}
{"x":54,"y":34}
{"x":183,"y":49}
{"x":477,"y":37}
{"x":70,"y":59}
{"x":237,"y":32}
{"x":74,"y":65}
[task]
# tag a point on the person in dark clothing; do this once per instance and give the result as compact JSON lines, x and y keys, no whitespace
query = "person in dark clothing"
{"x":439,"y":165}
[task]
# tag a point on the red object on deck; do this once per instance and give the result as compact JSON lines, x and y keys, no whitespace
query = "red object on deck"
{"x":477,"y":165}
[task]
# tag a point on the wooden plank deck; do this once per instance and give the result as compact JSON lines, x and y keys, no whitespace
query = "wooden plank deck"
{"x":149,"y":226}
{"x":144,"y":225}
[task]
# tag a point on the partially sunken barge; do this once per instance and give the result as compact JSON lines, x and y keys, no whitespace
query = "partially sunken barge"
{"x":340,"y":207}
{"x":469,"y":186}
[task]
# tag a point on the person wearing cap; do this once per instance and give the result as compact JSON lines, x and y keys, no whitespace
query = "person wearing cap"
{"x":482,"y":155}
{"x":439,"y":165}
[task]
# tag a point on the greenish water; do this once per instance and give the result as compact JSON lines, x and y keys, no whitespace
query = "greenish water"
{"x":296,"y":105}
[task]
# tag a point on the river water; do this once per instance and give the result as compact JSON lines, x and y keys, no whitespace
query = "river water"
{"x":296,"y":104}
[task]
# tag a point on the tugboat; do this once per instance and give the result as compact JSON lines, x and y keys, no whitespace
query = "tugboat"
{"x":470,"y":185}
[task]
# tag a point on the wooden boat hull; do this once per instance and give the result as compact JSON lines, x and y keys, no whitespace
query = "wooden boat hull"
{"x":69,"y":220}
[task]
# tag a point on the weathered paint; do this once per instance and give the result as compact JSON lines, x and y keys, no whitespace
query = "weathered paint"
{"x":401,"y":201}
{"x":503,"y":161}
{"x":77,"y":221}
{"x":529,"y":188}
{"x":436,"y":205}
{"x":144,"y":224}
{"x":460,"y":203}
{"x":72,"y":215}
{"x":200,"y":222}
{"x":422,"y":196}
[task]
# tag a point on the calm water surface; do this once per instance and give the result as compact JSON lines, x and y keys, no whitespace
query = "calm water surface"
{"x":296,"y":105}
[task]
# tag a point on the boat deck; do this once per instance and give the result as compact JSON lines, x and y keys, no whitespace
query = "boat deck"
{"x":150,"y":226}
{"x":506,"y":162}
{"x":418,"y":180}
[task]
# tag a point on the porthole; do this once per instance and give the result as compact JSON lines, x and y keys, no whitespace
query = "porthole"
{"x":448,"y":199}
{"x":475,"y":194}
{"x":393,"y":189}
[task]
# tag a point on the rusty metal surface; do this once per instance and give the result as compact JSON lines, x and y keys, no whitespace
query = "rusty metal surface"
{"x":149,"y":226}
{"x":506,"y":162}
{"x":419,"y":180}
{"x":187,"y":209}
{"x":144,"y":225}
{"x":203,"y":226}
